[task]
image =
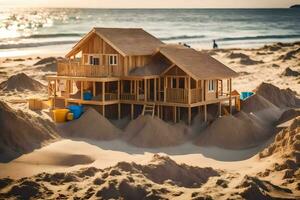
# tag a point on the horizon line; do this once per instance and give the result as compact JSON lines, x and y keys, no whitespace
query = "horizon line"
{"x":150,"y":7}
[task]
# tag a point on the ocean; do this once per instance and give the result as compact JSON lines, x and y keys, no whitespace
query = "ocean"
{"x":35,"y":30}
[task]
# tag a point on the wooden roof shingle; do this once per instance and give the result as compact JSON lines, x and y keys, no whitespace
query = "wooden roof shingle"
{"x":130,"y":41}
{"x":197,"y":64}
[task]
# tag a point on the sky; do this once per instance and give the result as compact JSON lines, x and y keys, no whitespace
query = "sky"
{"x":151,"y":3}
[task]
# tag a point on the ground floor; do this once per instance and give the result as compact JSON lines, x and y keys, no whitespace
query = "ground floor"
{"x":117,"y":98}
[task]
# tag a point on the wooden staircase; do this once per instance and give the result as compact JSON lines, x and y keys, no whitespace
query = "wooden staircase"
{"x":149,"y":109}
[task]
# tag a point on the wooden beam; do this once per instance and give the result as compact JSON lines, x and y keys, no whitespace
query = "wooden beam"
{"x":132,"y":112}
{"x":137,"y":90}
{"x":94,"y":88}
{"x":155,"y":90}
{"x":189,"y":115}
{"x":165,"y":89}
{"x":103,"y":91}
{"x":175,"y":114}
{"x":119,"y":89}
{"x":220,"y":109}
{"x":205,"y":113}
{"x":81,"y":90}
{"x":103,"y":110}
{"x":145,"y":89}
{"x":159,"y":87}
{"x":189,"y":90}
{"x":230,"y":90}
{"x":119,"y":111}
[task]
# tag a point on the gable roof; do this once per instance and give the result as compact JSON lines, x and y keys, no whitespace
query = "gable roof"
{"x":127,"y":41}
{"x":155,"y":67}
{"x":130,"y":41}
{"x":197,"y":64}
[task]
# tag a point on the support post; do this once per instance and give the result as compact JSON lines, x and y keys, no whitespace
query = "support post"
{"x":155,"y":90}
{"x":119,"y":90}
{"x":94,"y":88}
{"x":220,"y":109}
{"x":165,"y":89}
{"x":145,"y":89}
{"x":103,"y":110}
{"x":137,"y":90}
{"x":103,"y":91}
{"x":81,"y":90}
{"x":189,"y":90}
{"x":132,"y":112}
{"x":230,"y":88}
{"x":174,"y":114}
{"x":205,"y":113}
{"x":159,"y":86}
{"x":119,"y":111}
{"x":189,"y":115}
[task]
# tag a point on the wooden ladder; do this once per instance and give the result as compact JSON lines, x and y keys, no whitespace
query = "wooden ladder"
{"x":149,"y":109}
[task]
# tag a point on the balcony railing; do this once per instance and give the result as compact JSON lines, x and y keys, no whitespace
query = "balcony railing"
{"x":78,"y":70}
{"x":177,"y":95}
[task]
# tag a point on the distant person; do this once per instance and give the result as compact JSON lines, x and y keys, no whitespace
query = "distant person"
{"x":215,"y":46}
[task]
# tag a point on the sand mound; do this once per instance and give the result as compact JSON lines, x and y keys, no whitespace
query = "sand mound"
{"x":233,"y":55}
{"x":91,"y":125}
{"x":262,"y":108}
{"x":279,"y":97}
{"x":21,"y":82}
{"x":162,"y":178}
{"x":253,"y":188}
{"x":289,"y":72}
{"x":247,"y":132}
{"x":249,"y":61}
{"x":44,"y":61}
{"x":21,"y":132}
{"x":286,"y":143}
{"x":146,"y":131}
{"x":288,"y":115}
{"x":289,"y":55}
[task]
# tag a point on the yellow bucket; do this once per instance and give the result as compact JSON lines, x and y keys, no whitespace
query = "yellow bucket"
{"x":60,"y":115}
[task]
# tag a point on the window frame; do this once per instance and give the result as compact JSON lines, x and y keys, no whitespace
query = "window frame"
{"x":211,"y":86}
{"x":114,"y":59}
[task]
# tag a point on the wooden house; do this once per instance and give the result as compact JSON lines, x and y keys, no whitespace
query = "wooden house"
{"x":130,"y":72}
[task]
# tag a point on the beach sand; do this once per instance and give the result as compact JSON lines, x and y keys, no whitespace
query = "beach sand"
{"x":242,"y":173}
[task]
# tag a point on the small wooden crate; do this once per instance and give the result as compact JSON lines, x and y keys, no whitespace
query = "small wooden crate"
{"x":35,"y":104}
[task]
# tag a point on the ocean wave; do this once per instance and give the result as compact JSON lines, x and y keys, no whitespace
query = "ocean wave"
{"x":180,"y":37}
{"x":259,"y":37}
{"x":36,"y":44}
{"x":55,"y":35}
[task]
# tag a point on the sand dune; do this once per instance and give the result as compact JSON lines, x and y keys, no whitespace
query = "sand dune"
{"x":21,"y":133}
{"x":21,"y":82}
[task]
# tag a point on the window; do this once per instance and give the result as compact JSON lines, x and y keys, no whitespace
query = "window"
{"x":112,"y":59}
{"x":211,"y":85}
{"x":94,"y":60}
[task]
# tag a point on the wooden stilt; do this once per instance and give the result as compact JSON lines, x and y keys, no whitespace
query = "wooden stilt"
{"x":103,"y":91}
{"x":81,"y":89}
{"x":155,"y":89}
{"x":165,"y":89}
{"x":119,"y":90}
{"x":158,"y":111}
{"x":138,"y":90}
{"x":103,"y":110}
{"x":94,"y":88}
{"x":205,"y":113}
{"x":179,"y":113}
{"x":132,"y":111}
{"x":145,"y":89}
{"x":119,"y":111}
{"x":175,"y":114}
{"x":220,"y":109}
{"x":230,"y":90}
{"x":189,"y":115}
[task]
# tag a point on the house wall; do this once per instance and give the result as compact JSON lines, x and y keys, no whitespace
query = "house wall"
{"x":96,"y":45}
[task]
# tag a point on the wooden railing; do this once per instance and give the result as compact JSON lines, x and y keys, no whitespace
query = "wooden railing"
{"x":127,"y":96}
{"x":177,"y":95}
{"x":196,"y":95}
{"x":111,"y":96}
{"x":78,"y":70}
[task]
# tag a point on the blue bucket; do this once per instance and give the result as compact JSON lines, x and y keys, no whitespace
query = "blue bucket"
{"x":245,"y":95}
{"x":76,"y":110}
{"x":87,"y":96}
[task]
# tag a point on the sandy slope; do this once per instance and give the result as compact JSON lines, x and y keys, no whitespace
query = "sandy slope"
{"x":241,"y":170}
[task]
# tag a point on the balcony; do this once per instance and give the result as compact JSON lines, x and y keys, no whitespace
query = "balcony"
{"x":76,"y":69}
